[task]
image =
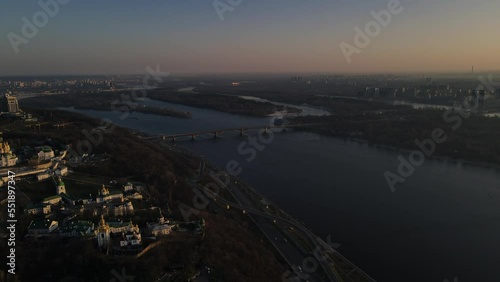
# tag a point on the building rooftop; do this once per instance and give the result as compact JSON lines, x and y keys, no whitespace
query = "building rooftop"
{"x":115,"y":192}
{"x":64,"y":195}
{"x":41,"y":224}
{"x":46,"y":149}
{"x":37,"y":206}
{"x":118,"y":224}
{"x":82,"y":227}
{"x":159,"y":227}
{"x":52,"y":198}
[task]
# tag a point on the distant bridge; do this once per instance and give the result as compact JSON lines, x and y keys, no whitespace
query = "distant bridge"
{"x":217,"y":132}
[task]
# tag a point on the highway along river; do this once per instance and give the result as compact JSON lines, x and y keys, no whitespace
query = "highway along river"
{"x":442,"y":223}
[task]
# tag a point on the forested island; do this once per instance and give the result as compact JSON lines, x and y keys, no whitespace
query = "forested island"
{"x":125,"y":102}
{"x":223,"y":103}
{"x":101,"y":102}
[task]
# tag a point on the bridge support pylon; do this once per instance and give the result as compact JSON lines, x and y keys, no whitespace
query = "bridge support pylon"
{"x":193,"y":137}
{"x":242,"y":132}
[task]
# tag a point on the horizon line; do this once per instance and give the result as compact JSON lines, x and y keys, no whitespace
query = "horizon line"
{"x":261,"y":73}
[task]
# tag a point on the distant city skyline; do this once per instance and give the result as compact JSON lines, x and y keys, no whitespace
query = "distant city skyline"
{"x":107,"y":38}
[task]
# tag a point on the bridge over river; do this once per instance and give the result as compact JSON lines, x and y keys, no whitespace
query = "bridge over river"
{"x":217,"y":132}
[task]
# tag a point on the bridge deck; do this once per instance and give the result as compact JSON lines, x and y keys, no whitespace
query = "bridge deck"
{"x":218,"y":131}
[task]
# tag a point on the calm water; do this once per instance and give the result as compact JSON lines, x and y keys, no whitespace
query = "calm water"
{"x":443,"y":222}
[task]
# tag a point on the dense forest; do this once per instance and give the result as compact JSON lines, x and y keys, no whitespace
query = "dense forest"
{"x":116,"y":101}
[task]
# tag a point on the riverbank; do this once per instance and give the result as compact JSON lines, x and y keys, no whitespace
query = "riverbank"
{"x":406,"y":152}
{"x":473,"y":139}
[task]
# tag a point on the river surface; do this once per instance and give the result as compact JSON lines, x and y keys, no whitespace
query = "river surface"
{"x":442,"y":222}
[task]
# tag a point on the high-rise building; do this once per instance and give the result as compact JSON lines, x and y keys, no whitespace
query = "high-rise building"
{"x":9,"y":104}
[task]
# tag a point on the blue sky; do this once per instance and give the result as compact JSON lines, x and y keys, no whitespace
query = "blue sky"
{"x":124,"y":36}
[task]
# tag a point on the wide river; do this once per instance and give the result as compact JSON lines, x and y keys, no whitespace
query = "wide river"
{"x":442,"y":223}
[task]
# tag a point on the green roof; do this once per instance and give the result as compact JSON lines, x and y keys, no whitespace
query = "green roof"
{"x":36,"y":206}
{"x":79,"y":226}
{"x":118,"y":224}
{"x":40,"y":224}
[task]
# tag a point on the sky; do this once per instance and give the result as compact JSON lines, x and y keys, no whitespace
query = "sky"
{"x":189,"y":36}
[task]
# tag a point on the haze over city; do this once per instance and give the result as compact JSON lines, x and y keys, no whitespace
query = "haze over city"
{"x":120,"y":37}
